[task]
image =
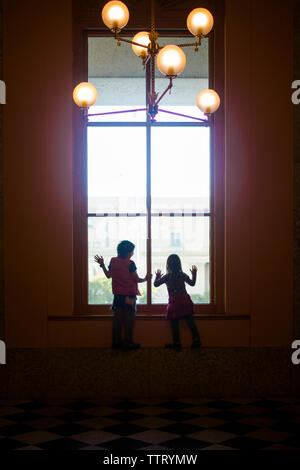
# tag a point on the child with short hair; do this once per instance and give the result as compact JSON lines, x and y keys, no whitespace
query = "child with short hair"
{"x":122,"y":271}
{"x":180,"y":304}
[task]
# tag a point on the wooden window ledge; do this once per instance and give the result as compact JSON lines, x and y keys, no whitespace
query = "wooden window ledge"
{"x":90,"y":317}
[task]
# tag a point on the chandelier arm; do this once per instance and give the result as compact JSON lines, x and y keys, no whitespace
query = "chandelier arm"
{"x":191,"y":44}
{"x":118,"y":38}
{"x":117,"y":112}
{"x":207,"y":121}
{"x":146,"y":60}
{"x":166,"y":90}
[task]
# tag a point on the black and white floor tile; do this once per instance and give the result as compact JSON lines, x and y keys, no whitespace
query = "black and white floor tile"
{"x":142,"y":424}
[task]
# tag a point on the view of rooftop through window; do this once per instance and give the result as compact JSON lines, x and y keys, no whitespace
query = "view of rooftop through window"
{"x":117,"y":170}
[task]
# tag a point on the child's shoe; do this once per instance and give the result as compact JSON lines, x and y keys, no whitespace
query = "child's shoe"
{"x":176,"y":346}
{"x":196,"y":343}
{"x":117,"y":345}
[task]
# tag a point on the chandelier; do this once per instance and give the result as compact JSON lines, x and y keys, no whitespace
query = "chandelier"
{"x":170,"y":60}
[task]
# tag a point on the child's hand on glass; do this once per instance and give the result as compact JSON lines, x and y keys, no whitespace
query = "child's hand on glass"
{"x":158,"y":273}
{"x":148,"y":277}
{"x":194,"y":269}
{"x":99,"y":260}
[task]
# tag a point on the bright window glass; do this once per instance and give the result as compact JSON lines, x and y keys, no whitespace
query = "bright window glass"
{"x":180,"y":159}
{"x":116,"y":169}
{"x":118,"y":159}
{"x":188,"y":237}
{"x":104,"y":234}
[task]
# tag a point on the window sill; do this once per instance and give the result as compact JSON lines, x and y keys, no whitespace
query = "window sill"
{"x":89,"y":317}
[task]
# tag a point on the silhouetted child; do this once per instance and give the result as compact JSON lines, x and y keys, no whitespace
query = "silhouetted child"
{"x":180,"y":304}
{"x":122,"y":271}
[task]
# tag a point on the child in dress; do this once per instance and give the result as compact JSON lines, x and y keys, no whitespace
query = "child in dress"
{"x":122,"y":271}
{"x":180,"y":304}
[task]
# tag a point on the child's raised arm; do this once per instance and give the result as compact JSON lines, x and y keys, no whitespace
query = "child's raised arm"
{"x":192,"y":281}
{"x":138,"y":279}
{"x":100,"y":261}
{"x":159,"y":279}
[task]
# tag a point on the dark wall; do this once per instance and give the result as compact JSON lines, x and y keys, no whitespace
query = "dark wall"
{"x":1,"y":200}
{"x":297,"y":176}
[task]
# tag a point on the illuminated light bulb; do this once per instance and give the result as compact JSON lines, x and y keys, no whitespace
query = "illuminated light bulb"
{"x":85,"y":95}
{"x":171,"y":60}
{"x":200,"y":21}
{"x":115,"y":15}
{"x":141,"y":38}
{"x":208,"y":101}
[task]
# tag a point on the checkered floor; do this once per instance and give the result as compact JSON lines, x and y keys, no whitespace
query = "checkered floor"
{"x":185,"y":424}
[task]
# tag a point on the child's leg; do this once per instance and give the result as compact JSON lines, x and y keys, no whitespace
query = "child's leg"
{"x":192,"y":326}
{"x":175,"y":331}
{"x":176,"y":337}
{"x":117,"y":327}
{"x":129,"y":318}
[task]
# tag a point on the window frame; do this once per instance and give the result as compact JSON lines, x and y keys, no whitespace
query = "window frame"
{"x":80,"y":225}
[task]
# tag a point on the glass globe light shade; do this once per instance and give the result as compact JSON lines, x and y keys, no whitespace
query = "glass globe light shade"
{"x":85,"y":95}
{"x":141,"y":38}
{"x":115,"y":15}
{"x":208,"y":101}
{"x":200,"y":21}
{"x":171,"y":60}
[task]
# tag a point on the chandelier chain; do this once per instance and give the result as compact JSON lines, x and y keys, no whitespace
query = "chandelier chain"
{"x":152,"y":16}
{"x":152,"y":51}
